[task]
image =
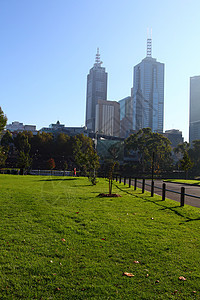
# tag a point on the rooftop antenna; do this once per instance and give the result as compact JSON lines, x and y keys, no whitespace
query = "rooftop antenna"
{"x":98,"y":62}
{"x":149,"y":43}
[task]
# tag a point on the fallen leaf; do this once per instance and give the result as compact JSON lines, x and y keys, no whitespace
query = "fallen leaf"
{"x":103,"y":239}
{"x":182,"y":278}
{"x":147,"y":275}
{"x":54,"y":274}
{"x":136,"y":262}
{"x":128,"y":274}
{"x":77,"y":212}
{"x":157,"y":281}
{"x":63,"y":240}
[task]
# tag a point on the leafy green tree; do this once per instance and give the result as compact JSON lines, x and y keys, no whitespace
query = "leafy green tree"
{"x":186,"y":163}
{"x":23,"y":162}
{"x":182,"y":148}
{"x":145,"y":143}
{"x":85,"y":156}
{"x":7,"y":141}
{"x":3,"y":121}
{"x":194,"y":153}
{"x":23,"y":147}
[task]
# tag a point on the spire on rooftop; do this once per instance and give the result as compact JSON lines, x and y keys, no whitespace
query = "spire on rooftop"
{"x":98,"y":61}
{"x":149,"y":43}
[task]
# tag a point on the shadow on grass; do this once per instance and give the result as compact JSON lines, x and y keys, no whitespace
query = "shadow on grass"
{"x":58,"y":179}
{"x":160,"y":203}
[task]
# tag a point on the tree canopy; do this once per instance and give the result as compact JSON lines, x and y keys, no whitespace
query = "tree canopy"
{"x":3,"y":120}
{"x":145,"y":143}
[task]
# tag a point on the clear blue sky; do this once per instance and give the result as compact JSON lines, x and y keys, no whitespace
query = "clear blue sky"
{"x":48,"y":46}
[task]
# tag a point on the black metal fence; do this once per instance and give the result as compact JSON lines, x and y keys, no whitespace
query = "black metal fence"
{"x":152,"y":186}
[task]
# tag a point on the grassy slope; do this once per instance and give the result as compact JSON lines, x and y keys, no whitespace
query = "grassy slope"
{"x":103,"y":238}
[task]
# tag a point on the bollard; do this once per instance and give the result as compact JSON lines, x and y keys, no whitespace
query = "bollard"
{"x":152,"y":188}
{"x":182,"y":196}
{"x":129,"y":181}
{"x":143,"y":185}
{"x":120,"y":179}
{"x":163,"y":191}
{"x":135,"y":186}
{"x":124,"y":180}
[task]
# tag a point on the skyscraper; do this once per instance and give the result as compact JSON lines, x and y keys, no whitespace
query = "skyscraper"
{"x":148,"y":93}
{"x":126,"y":116}
{"x":96,"y":90}
{"x":194,"y":127}
{"x":107,"y":119}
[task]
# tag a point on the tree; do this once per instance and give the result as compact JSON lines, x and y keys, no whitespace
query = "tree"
{"x":148,"y":145}
{"x":23,"y":147}
{"x":114,"y":151}
{"x":85,"y":156}
{"x":3,"y":120}
{"x":24,"y":161}
{"x":185,"y":162}
{"x":194,"y":153}
{"x":51,"y":164}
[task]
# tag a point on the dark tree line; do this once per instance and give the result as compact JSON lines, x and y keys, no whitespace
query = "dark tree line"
{"x":44,"y":151}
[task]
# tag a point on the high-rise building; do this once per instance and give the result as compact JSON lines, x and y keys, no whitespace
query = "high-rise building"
{"x":148,"y":93}
{"x":126,"y":116}
{"x":107,"y":120}
{"x":175,"y":137}
{"x":96,"y":90}
{"x":194,"y":120}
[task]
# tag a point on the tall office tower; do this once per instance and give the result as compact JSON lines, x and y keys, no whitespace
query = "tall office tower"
{"x":148,"y":93}
{"x":194,"y":127}
{"x":126,"y":116}
{"x":107,"y":118}
{"x":96,"y":90}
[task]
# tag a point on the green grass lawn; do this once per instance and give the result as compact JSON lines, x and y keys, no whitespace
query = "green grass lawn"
{"x":58,"y":240}
{"x":194,"y":182}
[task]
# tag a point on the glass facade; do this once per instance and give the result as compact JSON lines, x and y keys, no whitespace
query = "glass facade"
{"x":148,"y":95}
{"x":194,"y":126}
{"x":96,"y":90}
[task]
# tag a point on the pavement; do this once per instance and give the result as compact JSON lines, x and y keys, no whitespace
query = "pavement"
{"x":170,"y":186}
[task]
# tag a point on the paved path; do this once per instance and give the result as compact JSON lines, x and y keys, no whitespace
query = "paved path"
{"x":190,"y":190}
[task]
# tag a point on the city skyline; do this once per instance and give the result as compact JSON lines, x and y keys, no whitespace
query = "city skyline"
{"x":47,"y":49}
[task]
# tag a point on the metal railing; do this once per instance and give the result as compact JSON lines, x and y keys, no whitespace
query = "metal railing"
{"x":152,"y":187}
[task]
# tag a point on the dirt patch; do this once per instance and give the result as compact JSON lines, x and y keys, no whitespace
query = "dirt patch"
{"x":108,"y":195}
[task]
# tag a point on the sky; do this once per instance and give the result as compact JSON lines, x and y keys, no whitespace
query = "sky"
{"x":48,"y":46}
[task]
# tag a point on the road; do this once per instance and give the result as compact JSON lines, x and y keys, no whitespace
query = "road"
{"x":189,"y":189}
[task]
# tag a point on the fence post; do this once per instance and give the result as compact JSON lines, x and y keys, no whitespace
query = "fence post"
{"x":135,"y":186}
{"x":124,"y":180}
{"x":163,"y":191}
{"x":143,"y":185}
{"x":129,"y":181}
{"x":120,"y":178}
{"x":152,"y":188}
{"x":182,"y":196}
